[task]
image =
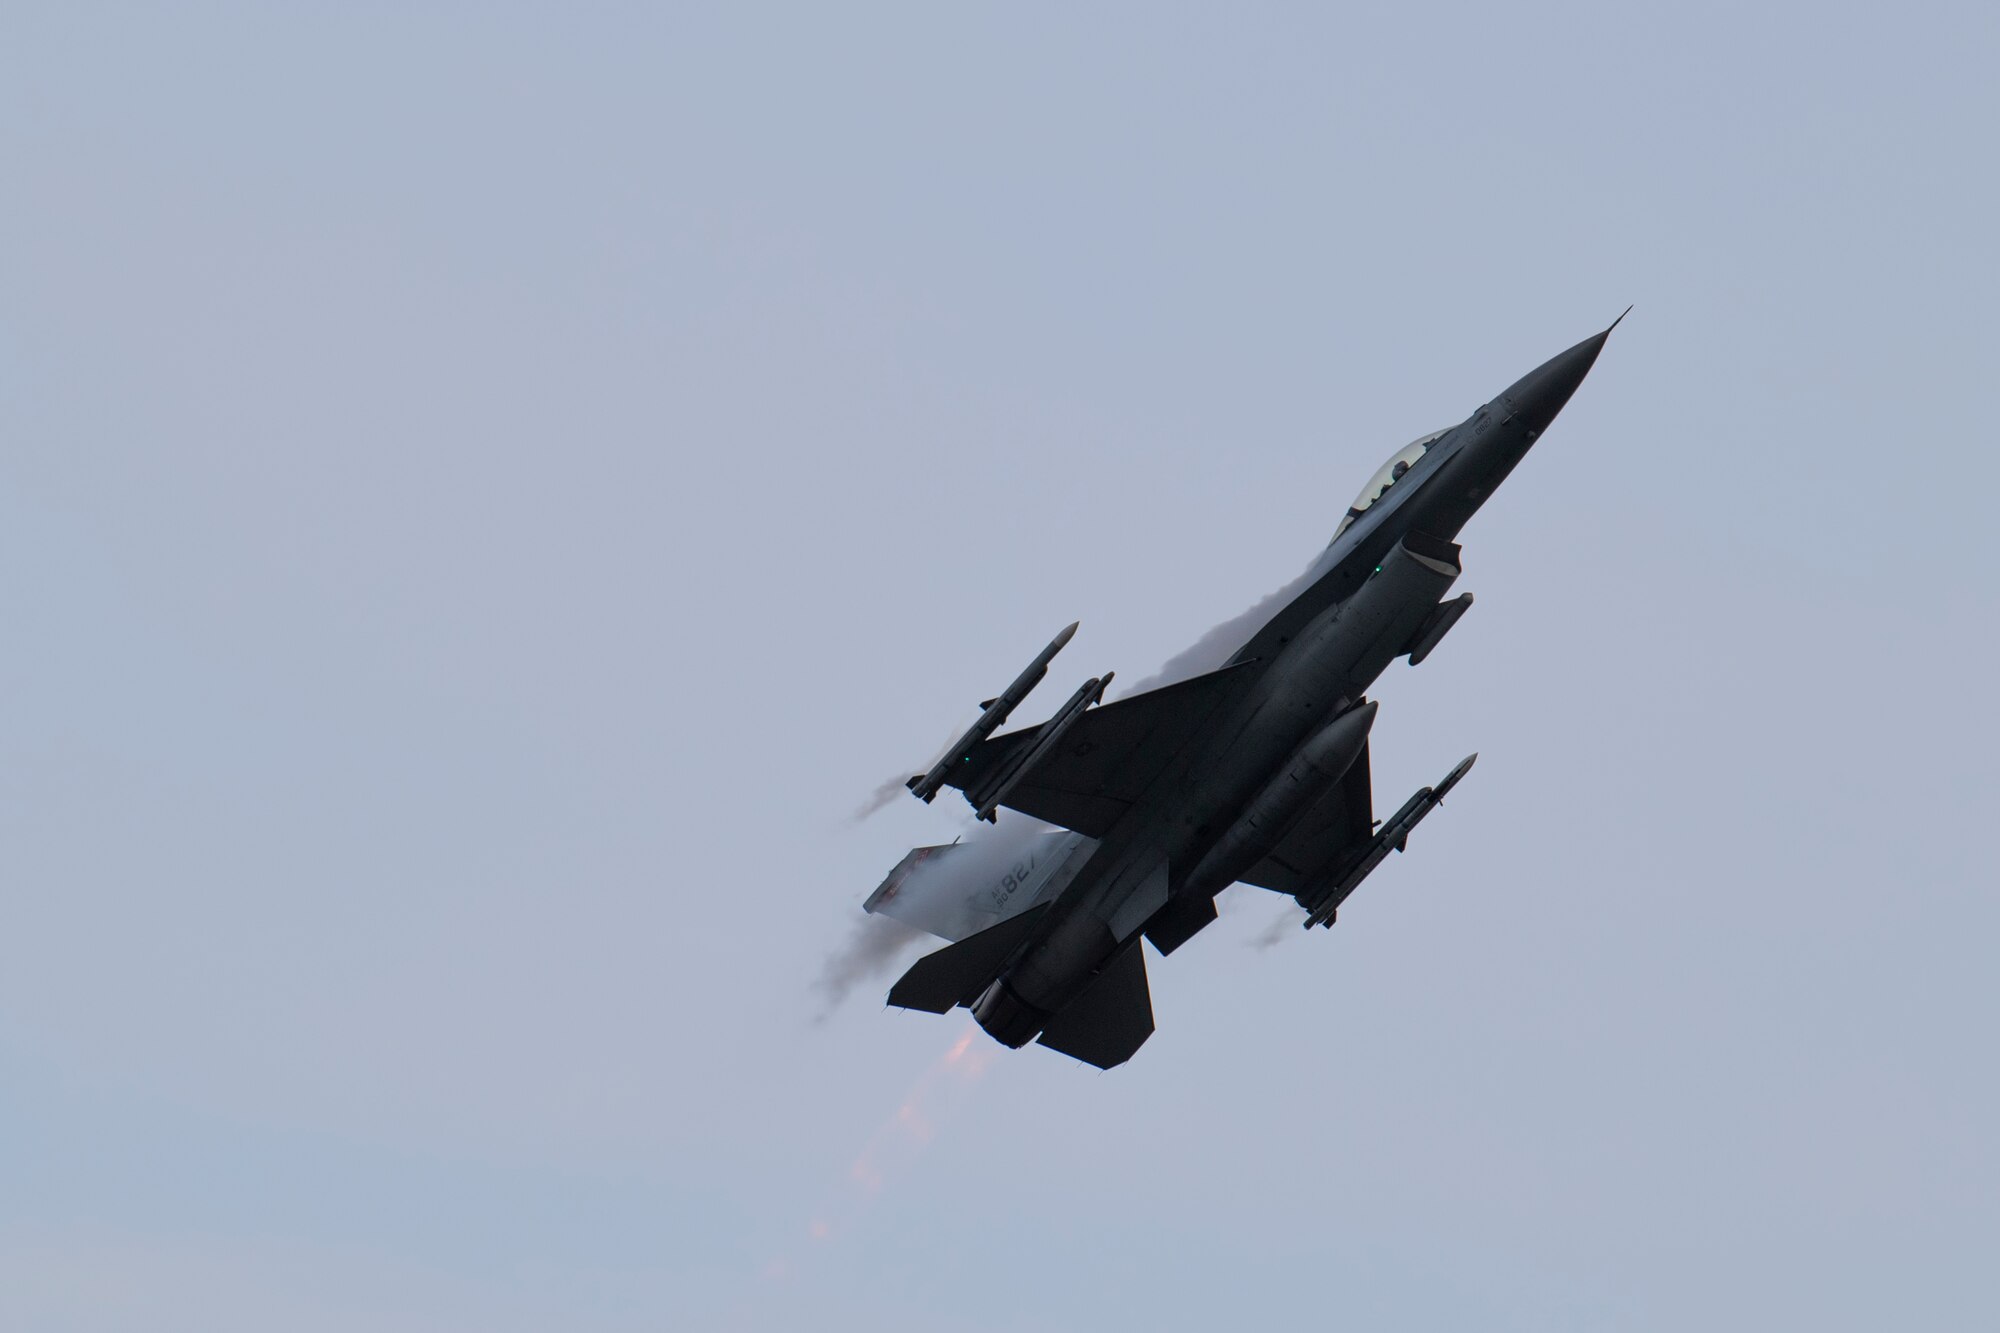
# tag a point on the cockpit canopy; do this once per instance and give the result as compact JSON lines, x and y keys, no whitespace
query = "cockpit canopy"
{"x":1391,"y":473}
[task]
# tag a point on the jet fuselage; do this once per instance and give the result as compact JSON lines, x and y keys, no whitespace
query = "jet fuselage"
{"x":1308,"y":669}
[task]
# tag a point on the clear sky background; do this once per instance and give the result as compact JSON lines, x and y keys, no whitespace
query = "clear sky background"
{"x":486,"y":491}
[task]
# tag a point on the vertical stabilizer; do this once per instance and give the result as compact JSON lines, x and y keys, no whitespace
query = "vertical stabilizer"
{"x":1111,"y":1020}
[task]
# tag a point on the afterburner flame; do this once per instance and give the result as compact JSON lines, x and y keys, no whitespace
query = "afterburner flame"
{"x":913,"y":1125}
{"x":897,"y":1143}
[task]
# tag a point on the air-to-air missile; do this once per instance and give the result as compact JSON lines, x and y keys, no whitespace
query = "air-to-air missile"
{"x":1323,"y":900}
{"x":985,"y":798}
{"x":995,"y":711}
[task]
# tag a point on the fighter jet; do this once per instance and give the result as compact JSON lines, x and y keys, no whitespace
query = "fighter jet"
{"x":1254,"y":773}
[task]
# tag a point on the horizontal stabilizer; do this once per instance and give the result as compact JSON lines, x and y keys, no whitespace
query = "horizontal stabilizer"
{"x":1111,"y":1020}
{"x":956,"y":974}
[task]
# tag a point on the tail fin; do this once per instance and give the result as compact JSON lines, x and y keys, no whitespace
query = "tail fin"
{"x":1111,"y":1020}
{"x":957,"y":973}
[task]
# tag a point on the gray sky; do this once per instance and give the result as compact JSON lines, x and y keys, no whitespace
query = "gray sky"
{"x":486,"y":491}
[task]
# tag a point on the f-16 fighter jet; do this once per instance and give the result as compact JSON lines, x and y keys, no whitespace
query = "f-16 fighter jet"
{"x":1255,"y":773}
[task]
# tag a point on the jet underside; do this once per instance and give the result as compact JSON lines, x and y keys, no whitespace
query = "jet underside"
{"x":1256,"y":772}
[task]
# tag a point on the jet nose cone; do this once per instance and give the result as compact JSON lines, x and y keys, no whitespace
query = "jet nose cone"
{"x":1537,"y":396}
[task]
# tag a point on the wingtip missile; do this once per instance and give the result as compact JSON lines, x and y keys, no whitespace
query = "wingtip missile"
{"x":992,"y":713}
{"x":1047,"y":655}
